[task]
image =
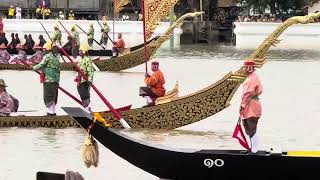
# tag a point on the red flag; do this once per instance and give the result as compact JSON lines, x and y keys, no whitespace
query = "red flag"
{"x":238,"y":134}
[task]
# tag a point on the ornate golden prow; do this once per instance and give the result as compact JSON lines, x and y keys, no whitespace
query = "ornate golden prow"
{"x":259,"y":55}
{"x":178,"y":23}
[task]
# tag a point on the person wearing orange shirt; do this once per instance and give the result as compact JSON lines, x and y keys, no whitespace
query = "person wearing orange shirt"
{"x":155,"y":85}
{"x":118,"y":46}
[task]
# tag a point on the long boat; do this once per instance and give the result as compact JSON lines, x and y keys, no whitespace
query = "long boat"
{"x":190,"y":164}
{"x":180,"y":111}
{"x":129,"y":58}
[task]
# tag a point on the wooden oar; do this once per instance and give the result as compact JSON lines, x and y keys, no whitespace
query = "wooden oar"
{"x":115,"y":113}
{"x":51,"y":40}
{"x":93,"y":38}
{"x":107,"y":33}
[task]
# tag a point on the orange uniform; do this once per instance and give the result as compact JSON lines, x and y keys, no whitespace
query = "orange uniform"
{"x":156,"y":82}
{"x":119,"y":44}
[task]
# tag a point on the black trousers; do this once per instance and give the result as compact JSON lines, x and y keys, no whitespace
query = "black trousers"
{"x":90,"y":41}
{"x":146,"y":91}
{"x":50,"y":93}
{"x":250,"y":125}
{"x":84,"y":92}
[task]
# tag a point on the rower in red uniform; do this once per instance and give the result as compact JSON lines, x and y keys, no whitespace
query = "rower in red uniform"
{"x":155,"y":85}
{"x":118,"y":46}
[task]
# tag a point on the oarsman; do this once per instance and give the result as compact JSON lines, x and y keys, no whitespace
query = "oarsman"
{"x":68,"y":46}
{"x":105,"y":31}
{"x":90,"y":35}
{"x":4,"y":55}
{"x":31,"y":40}
{"x":250,"y":109}
{"x":51,"y":69}
{"x":6,"y":102}
{"x":83,"y":85}
{"x":3,"y":39}
{"x":42,"y":41}
{"x":155,"y":85}
{"x":22,"y":56}
{"x":17,"y":39}
{"x":75,"y":41}
{"x":118,"y":46}
{"x":37,"y":56}
{"x":56,"y":39}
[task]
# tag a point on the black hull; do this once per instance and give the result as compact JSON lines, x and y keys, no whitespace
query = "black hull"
{"x":184,"y":164}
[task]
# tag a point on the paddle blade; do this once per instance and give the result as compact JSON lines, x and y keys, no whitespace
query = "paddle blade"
{"x":238,"y":134}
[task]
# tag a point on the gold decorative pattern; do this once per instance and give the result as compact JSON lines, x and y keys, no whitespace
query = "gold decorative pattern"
{"x":259,"y":55}
{"x":182,"y":111}
{"x":118,"y":5}
{"x":155,"y":12}
{"x":126,"y":59}
{"x":38,"y":121}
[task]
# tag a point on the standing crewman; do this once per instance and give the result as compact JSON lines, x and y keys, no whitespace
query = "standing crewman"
{"x":51,"y":69}
{"x":75,"y":41}
{"x":90,"y":35}
{"x":83,"y":86}
{"x":56,"y":39}
{"x":105,"y":31}
{"x":250,"y":109}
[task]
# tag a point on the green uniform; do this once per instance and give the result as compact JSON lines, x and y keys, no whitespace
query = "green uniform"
{"x":84,"y":86}
{"x":105,"y":31}
{"x":75,"y":35}
{"x":57,"y":36}
{"x":75,"y":44}
{"x":50,"y":67}
{"x":90,"y":35}
{"x":87,"y":67}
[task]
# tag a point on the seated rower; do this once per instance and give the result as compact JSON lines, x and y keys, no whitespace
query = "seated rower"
{"x":118,"y":46}
{"x":154,"y":84}
{"x":6,"y":102}
{"x":22,"y":56}
{"x":4,"y":55}
{"x":68,"y":46}
{"x":37,"y":56}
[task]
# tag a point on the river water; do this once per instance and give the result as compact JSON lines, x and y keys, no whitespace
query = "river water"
{"x":290,"y":121}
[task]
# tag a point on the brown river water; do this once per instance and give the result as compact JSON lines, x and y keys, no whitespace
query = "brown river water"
{"x":290,"y":121}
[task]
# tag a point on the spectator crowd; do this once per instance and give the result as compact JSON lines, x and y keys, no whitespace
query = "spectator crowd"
{"x":259,"y":18}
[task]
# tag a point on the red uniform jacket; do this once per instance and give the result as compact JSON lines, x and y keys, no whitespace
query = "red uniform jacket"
{"x":119,"y":44}
{"x":156,"y":82}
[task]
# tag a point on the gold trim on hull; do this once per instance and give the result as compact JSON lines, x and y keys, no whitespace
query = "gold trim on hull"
{"x":180,"y":112}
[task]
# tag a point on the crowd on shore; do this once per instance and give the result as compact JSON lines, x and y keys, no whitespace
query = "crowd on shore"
{"x":259,"y":18}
